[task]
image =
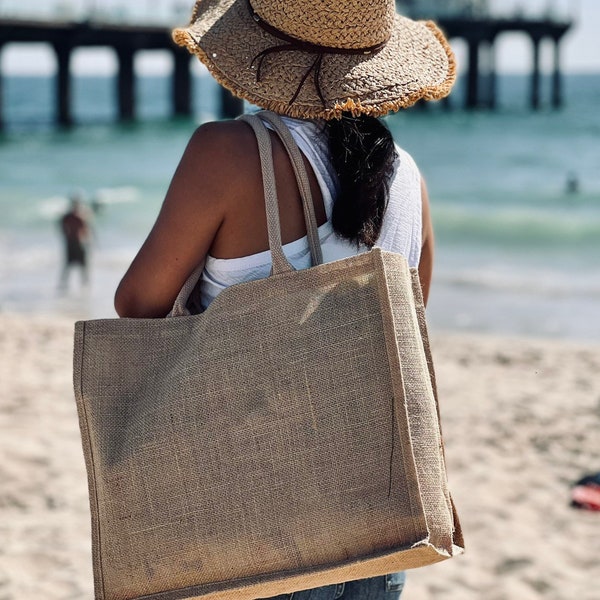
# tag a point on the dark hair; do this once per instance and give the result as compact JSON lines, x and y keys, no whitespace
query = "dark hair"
{"x":363,"y":156}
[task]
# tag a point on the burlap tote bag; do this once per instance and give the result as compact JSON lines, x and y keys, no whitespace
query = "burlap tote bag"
{"x":285,"y":438}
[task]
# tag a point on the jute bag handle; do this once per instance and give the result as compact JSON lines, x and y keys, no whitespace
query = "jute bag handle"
{"x":297,"y":161}
{"x":279,"y":260}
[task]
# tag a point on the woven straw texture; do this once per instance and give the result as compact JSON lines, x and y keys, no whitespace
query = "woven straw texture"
{"x":415,"y":63}
{"x":286,"y":438}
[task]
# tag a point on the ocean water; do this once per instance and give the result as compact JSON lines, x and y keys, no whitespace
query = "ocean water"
{"x":516,"y":253}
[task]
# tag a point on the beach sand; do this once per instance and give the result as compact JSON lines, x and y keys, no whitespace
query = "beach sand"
{"x":521,"y":423}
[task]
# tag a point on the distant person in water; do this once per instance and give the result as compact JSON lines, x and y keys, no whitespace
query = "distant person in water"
{"x":75,"y":230}
{"x":572,"y":185}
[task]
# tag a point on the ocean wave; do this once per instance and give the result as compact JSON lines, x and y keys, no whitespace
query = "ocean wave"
{"x":117,"y":195}
{"x":51,"y":208}
{"x":527,"y":225}
{"x":525,"y":281}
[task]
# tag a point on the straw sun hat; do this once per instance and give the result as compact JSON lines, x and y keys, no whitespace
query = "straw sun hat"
{"x":318,"y":58}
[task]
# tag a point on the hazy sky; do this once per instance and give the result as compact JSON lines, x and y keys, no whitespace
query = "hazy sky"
{"x":581,"y":48}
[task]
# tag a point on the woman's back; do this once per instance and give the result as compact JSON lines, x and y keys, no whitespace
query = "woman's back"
{"x":215,"y":208}
{"x":400,"y":232}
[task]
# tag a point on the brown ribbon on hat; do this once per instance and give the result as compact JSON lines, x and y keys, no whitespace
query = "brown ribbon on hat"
{"x":296,"y":45}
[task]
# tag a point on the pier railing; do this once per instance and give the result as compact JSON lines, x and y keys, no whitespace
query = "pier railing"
{"x":550,"y":11}
{"x":157,"y":12}
{"x":173,"y":12}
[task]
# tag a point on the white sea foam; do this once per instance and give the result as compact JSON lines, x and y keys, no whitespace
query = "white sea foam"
{"x":117,"y":195}
{"x":534,"y":282}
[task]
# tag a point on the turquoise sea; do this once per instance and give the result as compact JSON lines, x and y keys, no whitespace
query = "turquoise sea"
{"x":516,"y":253}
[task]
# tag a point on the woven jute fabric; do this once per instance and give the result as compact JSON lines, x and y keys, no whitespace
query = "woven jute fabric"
{"x":414,"y":61}
{"x":285,"y":438}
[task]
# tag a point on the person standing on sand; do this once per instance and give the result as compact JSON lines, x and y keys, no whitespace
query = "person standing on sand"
{"x":75,"y":230}
{"x":330,"y":69}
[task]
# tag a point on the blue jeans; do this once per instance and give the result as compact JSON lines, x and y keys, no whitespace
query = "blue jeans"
{"x":386,"y":587}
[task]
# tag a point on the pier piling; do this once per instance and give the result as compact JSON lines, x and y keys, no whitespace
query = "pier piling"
{"x":557,"y":99}
{"x":1,"y":94}
{"x":181,"y":84}
{"x":64,"y":116}
{"x":126,"y":84}
{"x":231,"y":106}
{"x":535,"y":74}
{"x":491,"y":76}
{"x":473,"y":74}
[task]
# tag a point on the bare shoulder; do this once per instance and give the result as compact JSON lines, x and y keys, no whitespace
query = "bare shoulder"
{"x":223,"y":144}
{"x":220,"y":161}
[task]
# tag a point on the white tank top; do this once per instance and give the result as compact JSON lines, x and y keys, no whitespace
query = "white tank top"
{"x":401,"y":230}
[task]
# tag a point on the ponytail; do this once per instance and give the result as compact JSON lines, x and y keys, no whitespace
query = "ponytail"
{"x":363,"y":156}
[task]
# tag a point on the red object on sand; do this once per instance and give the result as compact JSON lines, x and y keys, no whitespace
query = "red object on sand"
{"x":587,"y":496}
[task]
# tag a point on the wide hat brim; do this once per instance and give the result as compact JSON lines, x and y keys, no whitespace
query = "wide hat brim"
{"x":416,"y":63}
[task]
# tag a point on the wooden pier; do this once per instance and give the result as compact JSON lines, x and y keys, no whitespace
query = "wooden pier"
{"x":64,"y":37}
{"x":481,"y":35}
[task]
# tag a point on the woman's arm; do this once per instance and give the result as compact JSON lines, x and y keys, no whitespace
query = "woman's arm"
{"x":208,"y":175}
{"x":426,"y":262}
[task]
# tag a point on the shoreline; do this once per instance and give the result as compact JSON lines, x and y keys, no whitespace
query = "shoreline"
{"x":520,"y":420}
